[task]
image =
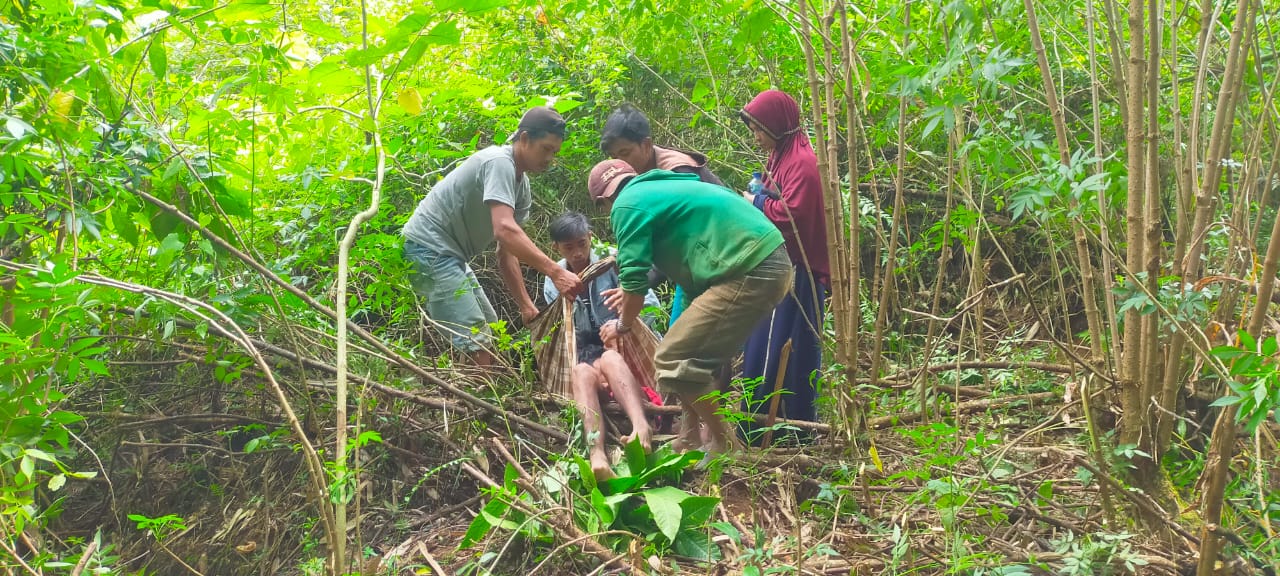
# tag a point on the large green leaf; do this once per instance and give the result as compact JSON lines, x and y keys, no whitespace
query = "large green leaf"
{"x":333,"y":78}
{"x":122,"y":222}
{"x":696,"y":545}
{"x":318,"y":28}
{"x":157,"y":57}
{"x":664,"y":504}
{"x":697,"y":510}
{"x":488,"y":517}
{"x":444,"y":33}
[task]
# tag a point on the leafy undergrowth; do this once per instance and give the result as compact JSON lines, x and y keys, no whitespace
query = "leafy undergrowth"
{"x":199,"y":475}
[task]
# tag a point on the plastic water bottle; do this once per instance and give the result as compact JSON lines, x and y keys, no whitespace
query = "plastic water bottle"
{"x":756,"y":185}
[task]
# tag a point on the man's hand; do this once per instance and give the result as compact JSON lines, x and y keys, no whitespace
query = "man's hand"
{"x":609,"y":335}
{"x":566,"y":282}
{"x":528,"y":314}
{"x":749,"y":196}
{"x":613,"y":298}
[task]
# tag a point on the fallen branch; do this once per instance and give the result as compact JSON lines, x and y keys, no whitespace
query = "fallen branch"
{"x":965,"y":408}
{"x":224,"y":326}
{"x":1139,"y":498}
{"x":143,"y":421}
{"x":84,"y":558}
{"x":982,"y":365}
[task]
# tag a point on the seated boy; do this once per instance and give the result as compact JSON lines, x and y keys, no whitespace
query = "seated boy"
{"x":598,"y":370}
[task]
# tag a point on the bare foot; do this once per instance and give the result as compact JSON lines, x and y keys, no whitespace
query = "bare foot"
{"x":716,"y":447}
{"x":690,"y":436}
{"x":722,"y":445}
{"x":642,"y":433}
{"x":600,"y":467}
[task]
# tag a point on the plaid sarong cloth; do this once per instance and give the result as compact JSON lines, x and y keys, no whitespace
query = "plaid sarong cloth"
{"x":554,"y":347}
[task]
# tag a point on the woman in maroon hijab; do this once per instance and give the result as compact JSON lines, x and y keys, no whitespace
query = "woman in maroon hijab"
{"x":793,"y":201}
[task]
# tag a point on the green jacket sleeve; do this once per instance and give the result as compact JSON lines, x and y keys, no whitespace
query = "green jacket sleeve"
{"x":634,"y":230}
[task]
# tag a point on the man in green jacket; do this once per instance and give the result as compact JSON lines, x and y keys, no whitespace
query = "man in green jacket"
{"x":728,"y":258}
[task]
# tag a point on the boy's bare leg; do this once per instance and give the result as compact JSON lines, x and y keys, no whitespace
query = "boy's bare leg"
{"x":628,"y":394}
{"x":586,"y":393}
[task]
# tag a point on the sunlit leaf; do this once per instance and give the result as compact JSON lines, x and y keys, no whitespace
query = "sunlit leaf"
{"x":410,"y":100}
{"x":158,"y":58}
{"x":470,"y":5}
{"x":247,"y":11}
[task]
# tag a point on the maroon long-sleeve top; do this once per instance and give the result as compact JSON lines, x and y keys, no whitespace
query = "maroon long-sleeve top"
{"x":792,"y":172}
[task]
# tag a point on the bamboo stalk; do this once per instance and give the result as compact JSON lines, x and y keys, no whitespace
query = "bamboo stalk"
{"x":1152,"y":361}
{"x":1134,"y":421}
{"x":1172,"y":381}
{"x":847,"y":331}
{"x":899,"y":212}
{"x":1104,"y":215}
{"x":1223,"y":439}
{"x":1084,"y":260}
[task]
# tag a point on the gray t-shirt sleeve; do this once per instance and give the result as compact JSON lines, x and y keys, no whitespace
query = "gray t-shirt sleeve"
{"x":499,"y":177}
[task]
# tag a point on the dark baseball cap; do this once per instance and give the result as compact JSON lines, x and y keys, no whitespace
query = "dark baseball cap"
{"x":605,"y":178}
{"x":541,"y":119}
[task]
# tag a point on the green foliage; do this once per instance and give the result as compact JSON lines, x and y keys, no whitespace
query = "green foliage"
{"x":1098,"y":554}
{"x":1255,"y":382}
{"x":637,"y":500}
{"x":160,"y":528}
{"x":49,"y":348}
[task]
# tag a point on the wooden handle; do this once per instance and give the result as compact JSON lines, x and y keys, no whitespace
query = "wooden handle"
{"x":779,"y":377}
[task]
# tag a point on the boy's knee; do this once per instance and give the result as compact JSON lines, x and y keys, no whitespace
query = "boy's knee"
{"x":585,"y":375}
{"x":610,"y":359}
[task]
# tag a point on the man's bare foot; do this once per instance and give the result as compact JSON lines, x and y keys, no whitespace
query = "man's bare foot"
{"x":600,"y":467}
{"x":690,"y":436}
{"x":717,"y":447}
{"x":644,"y":435}
{"x":722,"y":445}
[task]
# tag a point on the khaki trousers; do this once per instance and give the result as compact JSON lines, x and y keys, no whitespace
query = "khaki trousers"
{"x":717,"y":323}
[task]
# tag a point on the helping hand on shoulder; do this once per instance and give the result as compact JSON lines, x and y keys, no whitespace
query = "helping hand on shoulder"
{"x":566,"y":282}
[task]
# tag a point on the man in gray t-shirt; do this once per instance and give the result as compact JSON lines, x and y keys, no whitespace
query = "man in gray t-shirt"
{"x":485,"y":198}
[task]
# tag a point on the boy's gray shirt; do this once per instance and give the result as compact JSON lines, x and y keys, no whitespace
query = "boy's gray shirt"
{"x":454,"y":218}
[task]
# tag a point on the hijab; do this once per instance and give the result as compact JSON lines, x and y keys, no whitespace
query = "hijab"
{"x":778,"y":114}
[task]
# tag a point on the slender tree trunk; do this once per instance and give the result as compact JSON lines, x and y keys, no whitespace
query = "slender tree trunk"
{"x":1219,"y":148}
{"x":1084,"y":260}
{"x":1148,"y":468}
{"x":1115,"y":52}
{"x":340,"y":307}
{"x":899,"y":213}
{"x":1222,"y":443}
{"x":1135,"y":411}
{"x":1104,"y":215}
{"x":1171,"y":384}
{"x":848,"y":336}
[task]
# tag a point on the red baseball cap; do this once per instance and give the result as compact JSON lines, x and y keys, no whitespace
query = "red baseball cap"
{"x":606,"y":177}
